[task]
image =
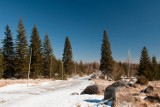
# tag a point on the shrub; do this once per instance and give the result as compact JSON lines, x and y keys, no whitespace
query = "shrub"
{"x":142,"y":80}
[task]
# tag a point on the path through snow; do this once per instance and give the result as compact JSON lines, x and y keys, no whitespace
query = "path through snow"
{"x":49,"y":94}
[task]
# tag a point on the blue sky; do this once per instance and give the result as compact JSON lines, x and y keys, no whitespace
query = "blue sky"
{"x":131,"y":24}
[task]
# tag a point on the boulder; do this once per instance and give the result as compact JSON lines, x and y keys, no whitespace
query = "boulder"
{"x":148,"y":90}
{"x":113,"y":88}
{"x":153,"y":99}
{"x":92,"y":89}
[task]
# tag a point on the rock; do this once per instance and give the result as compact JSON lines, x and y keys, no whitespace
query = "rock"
{"x":92,"y":89}
{"x":93,"y":76}
{"x":152,"y":99}
{"x":113,"y":88}
{"x":123,"y":96}
{"x":75,"y":93}
{"x":148,"y":90}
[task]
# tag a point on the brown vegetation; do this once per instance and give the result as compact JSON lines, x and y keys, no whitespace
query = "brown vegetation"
{"x":4,"y":82}
{"x":133,"y":96}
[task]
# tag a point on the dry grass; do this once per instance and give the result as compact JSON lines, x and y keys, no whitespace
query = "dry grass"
{"x":4,"y":82}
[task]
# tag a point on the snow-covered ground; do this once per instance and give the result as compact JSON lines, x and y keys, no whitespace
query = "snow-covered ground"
{"x":49,"y":94}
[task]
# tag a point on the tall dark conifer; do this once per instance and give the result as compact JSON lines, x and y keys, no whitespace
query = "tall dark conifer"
{"x":1,"y":64}
{"x":36,"y":56}
{"x":47,"y":57}
{"x":155,"y":68}
{"x":8,"y":54}
{"x":21,"y":52}
{"x":106,"y":61}
{"x":158,"y":74}
{"x":145,"y":62}
{"x":67,"y":57}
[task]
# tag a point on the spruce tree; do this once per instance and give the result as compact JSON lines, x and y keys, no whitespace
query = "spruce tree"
{"x":145,"y":62}
{"x":8,"y":54}
{"x":1,"y":64}
{"x":36,"y":56}
{"x":21,"y":52}
{"x":106,"y":61}
{"x":158,"y":74}
{"x":67,"y":57}
{"x":146,"y":67}
{"x":155,"y":68}
{"x":47,"y":57}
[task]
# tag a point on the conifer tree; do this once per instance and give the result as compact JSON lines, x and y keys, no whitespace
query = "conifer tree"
{"x":67,"y":57}
{"x":8,"y":54}
{"x":158,"y":74}
{"x":106,"y":61}
{"x":21,"y":52}
{"x":36,"y":56}
{"x":145,"y":62}
{"x":1,"y":64}
{"x":47,"y":57}
{"x":155,"y":68}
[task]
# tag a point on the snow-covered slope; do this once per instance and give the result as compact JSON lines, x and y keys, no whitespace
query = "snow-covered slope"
{"x":49,"y":94}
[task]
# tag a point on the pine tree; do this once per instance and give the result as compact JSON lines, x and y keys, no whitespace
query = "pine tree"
{"x":67,"y":57}
{"x":36,"y":57}
{"x":155,"y":68}
{"x":8,"y":54}
{"x":158,"y":74}
{"x":145,"y":62}
{"x":106,"y":61}
{"x":1,"y":64}
{"x":47,"y":57}
{"x":146,"y":68}
{"x":21,"y":52}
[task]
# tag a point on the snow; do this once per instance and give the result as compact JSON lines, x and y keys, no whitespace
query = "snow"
{"x":50,"y":94}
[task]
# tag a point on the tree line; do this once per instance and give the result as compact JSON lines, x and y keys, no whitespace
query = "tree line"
{"x":36,"y":59}
{"x":148,"y":68}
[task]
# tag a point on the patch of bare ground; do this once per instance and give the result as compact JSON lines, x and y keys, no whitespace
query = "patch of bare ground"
{"x":4,"y":82}
{"x":133,"y":96}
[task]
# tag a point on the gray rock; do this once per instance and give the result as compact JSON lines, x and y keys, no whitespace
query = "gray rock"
{"x":92,"y":89}
{"x":75,"y":93}
{"x":113,"y":88}
{"x":148,"y":90}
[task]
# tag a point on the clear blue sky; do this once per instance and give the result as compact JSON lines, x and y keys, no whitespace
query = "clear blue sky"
{"x":131,"y":24}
